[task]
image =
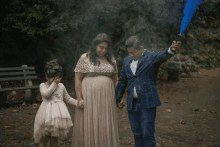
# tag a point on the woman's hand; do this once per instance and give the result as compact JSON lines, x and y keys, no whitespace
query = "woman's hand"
{"x":78,"y":87}
{"x":80,"y":104}
{"x":121,"y":104}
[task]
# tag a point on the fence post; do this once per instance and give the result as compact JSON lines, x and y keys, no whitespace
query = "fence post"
{"x":28,"y":92}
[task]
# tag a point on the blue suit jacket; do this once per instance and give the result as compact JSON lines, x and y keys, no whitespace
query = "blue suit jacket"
{"x":144,"y":79}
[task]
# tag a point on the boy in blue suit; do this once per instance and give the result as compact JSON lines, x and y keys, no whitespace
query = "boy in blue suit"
{"x":139,"y":73}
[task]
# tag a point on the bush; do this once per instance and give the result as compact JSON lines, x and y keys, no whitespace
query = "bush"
{"x":31,"y":17}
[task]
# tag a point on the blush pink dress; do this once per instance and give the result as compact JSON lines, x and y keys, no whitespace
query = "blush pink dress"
{"x":53,"y":117}
{"x":96,"y":124}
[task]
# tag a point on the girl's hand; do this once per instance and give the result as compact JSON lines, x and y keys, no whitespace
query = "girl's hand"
{"x":50,"y":80}
{"x":80,"y":104}
{"x":57,"y":80}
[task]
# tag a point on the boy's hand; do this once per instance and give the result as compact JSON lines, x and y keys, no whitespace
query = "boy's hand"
{"x":120,"y":105}
{"x":176,"y":45}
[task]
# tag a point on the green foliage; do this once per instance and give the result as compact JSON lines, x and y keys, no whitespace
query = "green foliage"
{"x":210,"y":58}
{"x":208,"y":14}
{"x":29,"y":16}
{"x":186,"y":52}
{"x":163,"y":69}
{"x":203,"y":37}
{"x":66,"y":21}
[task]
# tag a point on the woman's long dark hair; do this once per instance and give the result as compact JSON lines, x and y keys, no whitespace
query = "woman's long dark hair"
{"x":92,"y":50}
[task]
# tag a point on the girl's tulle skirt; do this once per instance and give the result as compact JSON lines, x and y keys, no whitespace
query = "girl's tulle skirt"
{"x":52,"y":119}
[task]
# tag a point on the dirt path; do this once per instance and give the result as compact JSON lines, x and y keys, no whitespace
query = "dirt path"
{"x":194,"y":105}
{"x":189,"y":116}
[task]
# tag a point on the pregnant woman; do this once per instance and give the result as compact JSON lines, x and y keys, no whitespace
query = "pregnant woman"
{"x":96,"y":78}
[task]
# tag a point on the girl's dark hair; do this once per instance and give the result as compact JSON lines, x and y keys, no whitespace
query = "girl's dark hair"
{"x":133,"y":41}
{"x":92,"y":50}
{"x":53,"y":69}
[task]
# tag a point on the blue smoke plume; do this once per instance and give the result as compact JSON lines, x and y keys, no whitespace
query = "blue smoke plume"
{"x":190,"y":8}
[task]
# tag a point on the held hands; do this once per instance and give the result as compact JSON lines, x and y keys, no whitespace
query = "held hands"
{"x":80,"y":103}
{"x":120,"y":105}
{"x":176,"y":45}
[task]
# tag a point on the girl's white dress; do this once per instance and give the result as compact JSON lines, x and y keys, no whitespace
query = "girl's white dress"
{"x":52,"y":117}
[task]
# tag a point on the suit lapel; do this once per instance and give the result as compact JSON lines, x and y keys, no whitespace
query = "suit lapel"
{"x":140,"y":63}
{"x":144,"y":60}
{"x":141,"y":60}
{"x":128,"y":66}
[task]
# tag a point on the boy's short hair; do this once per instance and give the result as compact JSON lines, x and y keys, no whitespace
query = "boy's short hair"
{"x":133,"y":41}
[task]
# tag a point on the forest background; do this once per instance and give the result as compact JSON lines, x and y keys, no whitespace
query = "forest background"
{"x":36,"y":31}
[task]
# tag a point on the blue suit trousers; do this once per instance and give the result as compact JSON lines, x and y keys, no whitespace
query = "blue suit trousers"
{"x":142,"y":122}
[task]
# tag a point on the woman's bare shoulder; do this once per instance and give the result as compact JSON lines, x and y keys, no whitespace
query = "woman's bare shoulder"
{"x":113,"y":59}
{"x":85,"y":55}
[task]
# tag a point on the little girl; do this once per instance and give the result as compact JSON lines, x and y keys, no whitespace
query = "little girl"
{"x":53,"y":120}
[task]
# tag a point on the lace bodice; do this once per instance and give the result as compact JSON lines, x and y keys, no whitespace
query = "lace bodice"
{"x":90,"y":70}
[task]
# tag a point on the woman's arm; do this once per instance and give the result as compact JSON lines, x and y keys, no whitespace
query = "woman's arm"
{"x":46,"y":92}
{"x":78,"y":85}
{"x":122,"y":84}
{"x":115,"y":80}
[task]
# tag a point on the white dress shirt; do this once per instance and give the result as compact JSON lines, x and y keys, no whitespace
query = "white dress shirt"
{"x":133,"y":67}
